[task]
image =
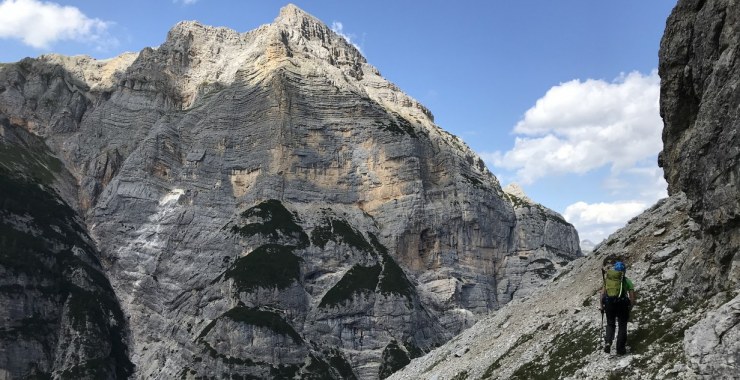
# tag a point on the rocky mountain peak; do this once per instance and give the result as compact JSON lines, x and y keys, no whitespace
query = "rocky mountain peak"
{"x":264,"y":204}
{"x":517,"y":191}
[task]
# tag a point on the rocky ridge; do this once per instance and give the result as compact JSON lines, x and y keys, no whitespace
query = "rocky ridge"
{"x":266,"y":205}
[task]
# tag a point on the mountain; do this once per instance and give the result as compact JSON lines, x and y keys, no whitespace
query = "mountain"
{"x":250,"y":205}
{"x":682,"y":253}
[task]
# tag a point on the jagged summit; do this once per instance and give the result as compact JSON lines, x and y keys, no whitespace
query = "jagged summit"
{"x":296,"y":17}
{"x":516,"y":190}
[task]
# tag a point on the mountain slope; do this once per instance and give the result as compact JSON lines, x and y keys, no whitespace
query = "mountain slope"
{"x":60,"y":317}
{"x":266,"y":205}
{"x":682,"y":254}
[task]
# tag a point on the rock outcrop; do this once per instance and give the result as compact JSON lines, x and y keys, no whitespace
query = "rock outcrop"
{"x":266,"y":205}
{"x":682,"y":253}
{"x":542,"y":245}
{"x":700,"y":106}
{"x":59,"y":317}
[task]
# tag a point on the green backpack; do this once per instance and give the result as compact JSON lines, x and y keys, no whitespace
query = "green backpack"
{"x":614,"y":284}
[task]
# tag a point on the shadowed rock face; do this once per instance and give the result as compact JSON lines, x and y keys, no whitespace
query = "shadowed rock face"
{"x":700,"y":105}
{"x":59,"y":317}
{"x":265,"y":204}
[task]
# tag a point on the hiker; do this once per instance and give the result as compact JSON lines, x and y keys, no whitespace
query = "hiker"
{"x":617,"y":299}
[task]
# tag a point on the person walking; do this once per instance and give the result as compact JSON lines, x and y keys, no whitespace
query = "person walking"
{"x":617,"y":300}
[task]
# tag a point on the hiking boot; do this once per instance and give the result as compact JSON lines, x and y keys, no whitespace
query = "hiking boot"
{"x":608,"y":348}
{"x":621,"y":352}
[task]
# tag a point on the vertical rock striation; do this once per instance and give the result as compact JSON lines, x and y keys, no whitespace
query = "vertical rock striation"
{"x":700,"y":105}
{"x":266,"y":205}
{"x":59,"y":317}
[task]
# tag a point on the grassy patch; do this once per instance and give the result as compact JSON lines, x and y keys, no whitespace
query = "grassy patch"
{"x":34,"y":162}
{"x":413,"y":350}
{"x":39,"y":244}
{"x":268,"y":266}
{"x":393,"y":359}
{"x":393,"y":280}
{"x":566,"y":356}
{"x":380,"y":248}
{"x":460,"y":376}
{"x":474,"y":181}
{"x":339,"y":231}
{"x":317,"y":369}
{"x":400,"y":126}
{"x":262,"y":318}
{"x":340,"y":364}
{"x":358,"y":279}
{"x":497,"y":363}
{"x":92,"y":369}
{"x":275,"y":222}
{"x":254,"y":317}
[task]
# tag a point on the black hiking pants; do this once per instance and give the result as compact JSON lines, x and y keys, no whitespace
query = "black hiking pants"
{"x":617,"y":312}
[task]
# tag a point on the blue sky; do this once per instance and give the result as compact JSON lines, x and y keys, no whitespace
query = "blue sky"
{"x":558,"y":96}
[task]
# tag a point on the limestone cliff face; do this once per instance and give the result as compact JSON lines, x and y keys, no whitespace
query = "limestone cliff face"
{"x":542,"y":243}
{"x":700,"y":105}
{"x":59,"y":317}
{"x":265,"y":204}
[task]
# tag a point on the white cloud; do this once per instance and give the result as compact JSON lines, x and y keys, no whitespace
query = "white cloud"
{"x":39,"y":24}
{"x":603,"y":213}
{"x":596,"y":221}
{"x":186,"y":2}
{"x":338,"y":28}
{"x":580,"y":126}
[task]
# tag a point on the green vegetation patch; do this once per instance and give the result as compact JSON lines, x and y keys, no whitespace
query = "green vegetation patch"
{"x":359,"y":279}
{"x":460,"y":376}
{"x":98,"y":368}
{"x":276,"y":222}
{"x":284,"y":372}
{"x":268,"y":266}
{"x":400,"y":126}
{"x":263,"y":318}
{"x":316,"y":369}
{"x":340,"y":364}
{"x":254,"y":317}
{"x":656,"y":328}
{"x":393,"y":280}
{"x":339,"y":231}
{"x":567,"y":354}
{"x":474,"y":181}
{"x":413,"y":350}
{"x":34,"y":162}
{"x":393,"y":359}
{"x":380,"y":248}
{"x":497,"y":364}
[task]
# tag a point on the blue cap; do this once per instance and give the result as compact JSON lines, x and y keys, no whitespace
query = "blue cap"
{"x":619,"y":266}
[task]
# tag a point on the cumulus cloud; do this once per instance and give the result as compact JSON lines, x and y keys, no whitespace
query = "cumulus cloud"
{"x":596,"y":221}
{"x":338,"y":28}
{"x":579,"y":126}
{"x":39,"y":24}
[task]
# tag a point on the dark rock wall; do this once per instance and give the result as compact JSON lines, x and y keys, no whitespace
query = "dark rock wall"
{"x":700,"y":106}
{"x":60,"y":317}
